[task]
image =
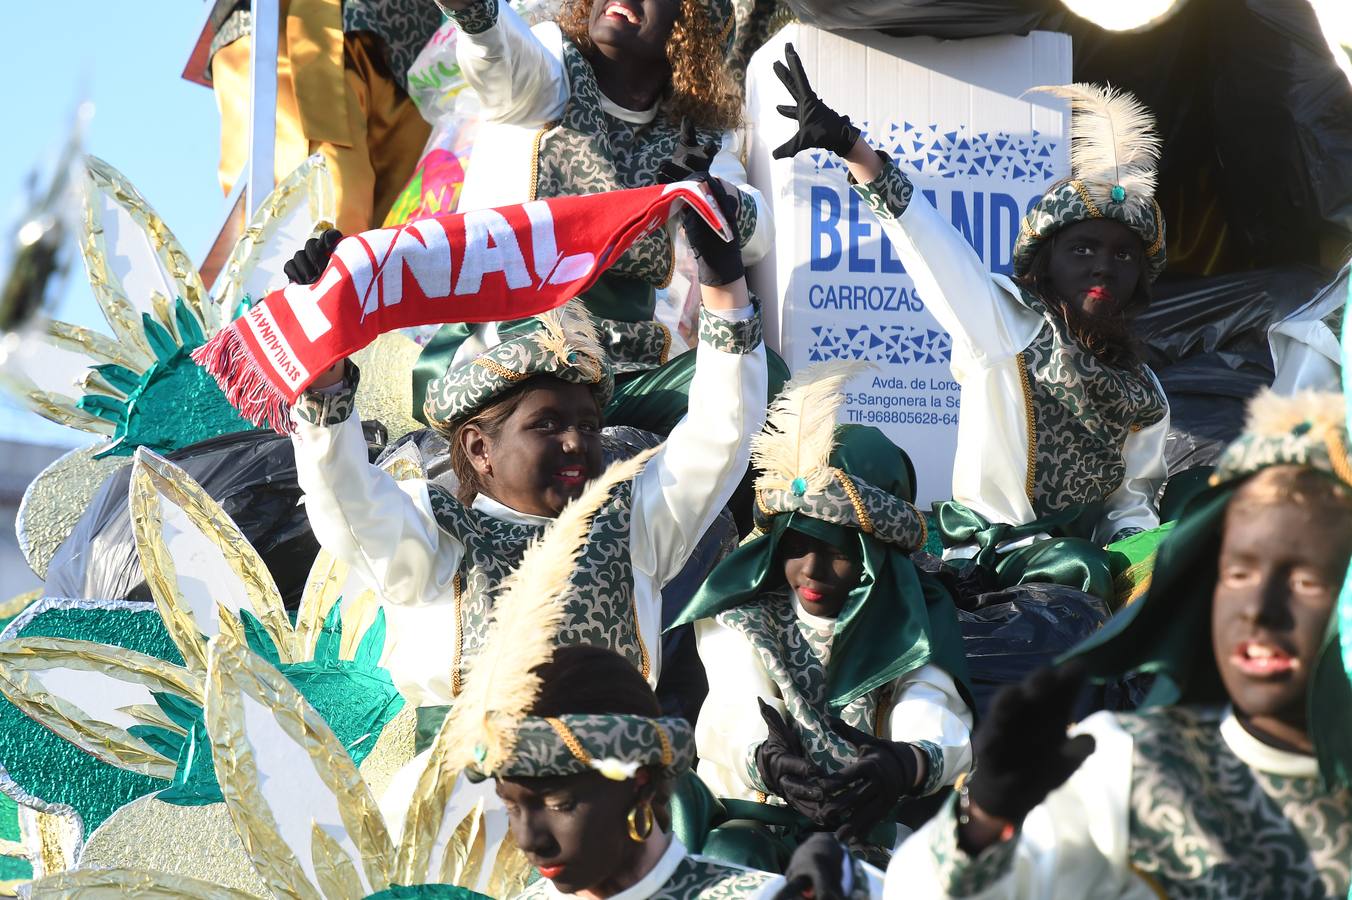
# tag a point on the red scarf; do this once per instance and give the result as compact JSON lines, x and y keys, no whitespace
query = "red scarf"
{"x":482,"y":266}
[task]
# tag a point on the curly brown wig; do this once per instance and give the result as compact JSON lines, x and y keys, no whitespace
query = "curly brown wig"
{"x":701,"y":87}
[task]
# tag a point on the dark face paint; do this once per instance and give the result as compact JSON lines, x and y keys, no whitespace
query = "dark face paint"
{"x":1095,"y":266}
{"x":574,"y":829}
{"x":547,"y":450}
{"x":638,"y":29}
{"x":1279,"y":572}
{"x":820,"y":574}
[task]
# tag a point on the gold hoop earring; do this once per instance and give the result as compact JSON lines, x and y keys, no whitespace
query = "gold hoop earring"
{"x":644,"y":811}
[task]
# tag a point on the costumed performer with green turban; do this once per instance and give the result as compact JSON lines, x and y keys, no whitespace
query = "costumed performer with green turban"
{"x":612,"y":94}
{"x":1061,"y":428}
{"x":524,"y":422}
{"x":853,"y":655}
{"x":1233,"y":778}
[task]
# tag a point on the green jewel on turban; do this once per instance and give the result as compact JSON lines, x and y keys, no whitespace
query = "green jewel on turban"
{"x":1114,"y":153}
{"x":1167,"y":632}
{"x":564,"y":346}
{"x":851,"y":487}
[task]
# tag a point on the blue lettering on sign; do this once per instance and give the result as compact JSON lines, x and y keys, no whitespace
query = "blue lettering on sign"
{"x":842,"y":234}
{"x":858,"y":232}
{"x":824,"y":199}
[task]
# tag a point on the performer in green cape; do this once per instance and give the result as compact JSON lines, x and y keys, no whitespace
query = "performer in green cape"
{"x":1062,"y":427}
{"x":822,"y":620}
{"x":1233,"y":779}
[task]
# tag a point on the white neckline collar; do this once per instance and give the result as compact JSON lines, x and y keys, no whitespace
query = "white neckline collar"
{"x":624,"y":114}
{"x":816,"y":623}
{"x":486,"y":504}
{"x":646,"y":886}
{"x":1258,"y":755}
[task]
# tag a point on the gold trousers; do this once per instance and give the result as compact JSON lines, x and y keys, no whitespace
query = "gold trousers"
{"x":386,"y":131}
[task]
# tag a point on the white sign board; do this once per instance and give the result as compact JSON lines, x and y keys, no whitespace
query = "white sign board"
{"x":950,"y":114}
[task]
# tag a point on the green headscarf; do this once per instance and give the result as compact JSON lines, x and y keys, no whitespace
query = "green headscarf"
{"x":1167,"y":632}
{"x":897,"y":618}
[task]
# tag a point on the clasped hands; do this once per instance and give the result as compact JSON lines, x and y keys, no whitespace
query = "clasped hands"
{"x":854,"y":799}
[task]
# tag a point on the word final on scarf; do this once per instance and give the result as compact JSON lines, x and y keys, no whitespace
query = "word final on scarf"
{"x":482,"y":266}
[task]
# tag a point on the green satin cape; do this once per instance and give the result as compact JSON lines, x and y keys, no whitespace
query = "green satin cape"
{"x":896,"y":619}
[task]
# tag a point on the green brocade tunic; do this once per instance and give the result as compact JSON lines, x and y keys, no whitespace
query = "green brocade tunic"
{"x":1178,"y":802}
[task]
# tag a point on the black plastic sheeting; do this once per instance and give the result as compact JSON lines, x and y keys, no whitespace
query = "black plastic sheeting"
{"x":252,"y":475}
{"x":1255,"y":114}
{"x":1206,"y":340}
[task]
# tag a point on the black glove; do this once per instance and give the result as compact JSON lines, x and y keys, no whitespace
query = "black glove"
{"x":865,"y":792}
{"x":818,"y":124}
{"x":816,"y":870}
{"x":785,"y":769}
{"x":720,"y":261}
{"x":308,"y":263}
{"x":690,"y":157}
{"x":1021,"y":747}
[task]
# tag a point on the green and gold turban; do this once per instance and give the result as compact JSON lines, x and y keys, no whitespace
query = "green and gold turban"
{"x":1114,"y":153}
{"x":853,"y":488}
{"x":615,"y":745}
{"x":1167,"y":632}
{"x":564,"y":346}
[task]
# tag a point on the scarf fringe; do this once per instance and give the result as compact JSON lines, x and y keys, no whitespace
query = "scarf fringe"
{"x":227,"y":359}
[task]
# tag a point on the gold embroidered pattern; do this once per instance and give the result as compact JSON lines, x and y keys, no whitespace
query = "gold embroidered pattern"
{"x":1337,"y":450}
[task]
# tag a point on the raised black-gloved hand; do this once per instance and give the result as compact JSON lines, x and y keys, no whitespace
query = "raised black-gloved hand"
{"x":817,"y":870}
{"x":308,"y":263}
{"x":1021,"y":747}
{"x":818,"y":124}
{"x":690,"y":157}
{"x":785,"y":770}
{"x":865,"y":791}
{"x":720,"y":261}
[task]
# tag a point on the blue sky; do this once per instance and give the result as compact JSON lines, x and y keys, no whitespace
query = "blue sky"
{"x":160,"y":130}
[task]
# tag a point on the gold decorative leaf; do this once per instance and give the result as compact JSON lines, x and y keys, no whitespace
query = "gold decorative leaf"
{"x":233,"y":674}
{"x":334,"y":871}
{"x":307,"y":190}
{"x":123,"y":313}
{"x":121,"y":884}
{"x":155,"y":480}
{"x":21,"y":659}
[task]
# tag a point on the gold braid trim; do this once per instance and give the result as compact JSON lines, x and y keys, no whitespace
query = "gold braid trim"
{"x":1027,"y":229}
{"x":535,"y":158}
{"x":457,"y":682}
{"x":666,"y":345}
{"x":1094,"y":211}
{"x":667,"y":754}
{"x":645,"y":666}
{"x":1030,"y":419}
{"x":1154,"y":248}
{"x":924,"y":525}
{"x":570,"y":741}
{"x":727,"y":27}
{"x":860,"y":510}
{"x":500,"y":370}
{"x":763,"y":506}
{"x":1336,"y":446}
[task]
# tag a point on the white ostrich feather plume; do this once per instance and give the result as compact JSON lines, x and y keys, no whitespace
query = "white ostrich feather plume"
{"x":1113,"y":140}
{"x":800,"y":429}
